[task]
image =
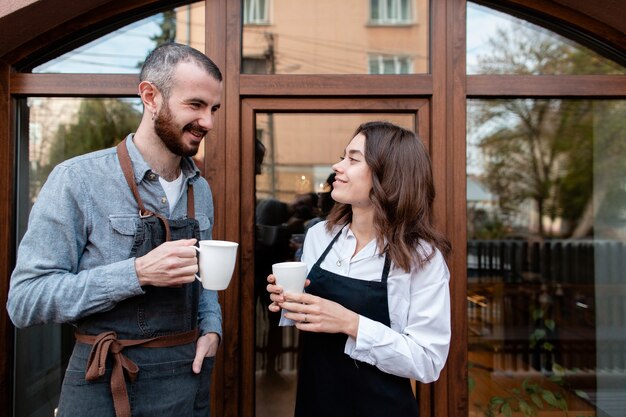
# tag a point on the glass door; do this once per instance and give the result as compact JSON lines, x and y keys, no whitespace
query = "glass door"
{"x":293,"y":153}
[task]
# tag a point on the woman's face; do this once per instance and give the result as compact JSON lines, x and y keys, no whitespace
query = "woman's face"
{"x":353,"y":181}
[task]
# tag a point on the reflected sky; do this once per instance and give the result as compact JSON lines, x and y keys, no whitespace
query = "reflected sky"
{"x":119,"y":52}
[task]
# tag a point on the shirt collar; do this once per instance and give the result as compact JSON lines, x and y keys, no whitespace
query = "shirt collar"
{"x":370,"y":250}
{"x":141,"y":167}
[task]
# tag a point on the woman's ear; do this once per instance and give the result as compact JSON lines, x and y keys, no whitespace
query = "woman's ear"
{"x":150,"y":96}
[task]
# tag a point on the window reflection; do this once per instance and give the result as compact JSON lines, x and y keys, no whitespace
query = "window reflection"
{"x":124,"y":50}
{"x":546,"y":251}
{"x":56,"y":129}
{"x":330,"y":37}
{"x":294,"y":153}
{"x":498,"y":43}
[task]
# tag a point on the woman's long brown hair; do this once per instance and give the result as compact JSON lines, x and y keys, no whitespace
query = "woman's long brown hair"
{"x":402,"y":193}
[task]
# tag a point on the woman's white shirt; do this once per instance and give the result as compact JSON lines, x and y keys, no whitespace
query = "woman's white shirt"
{"x":416,"y":346}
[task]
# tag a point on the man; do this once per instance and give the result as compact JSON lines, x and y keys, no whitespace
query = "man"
{"x":109,"y":249}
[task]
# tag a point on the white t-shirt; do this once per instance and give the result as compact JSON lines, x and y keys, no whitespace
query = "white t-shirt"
{"x":416,"y":346}
{"x":173,"y":190}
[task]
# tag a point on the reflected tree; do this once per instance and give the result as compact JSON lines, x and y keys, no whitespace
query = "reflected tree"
{"x":99,"y":124}
{"x":542,"y":150}
{"x":603,"y":211}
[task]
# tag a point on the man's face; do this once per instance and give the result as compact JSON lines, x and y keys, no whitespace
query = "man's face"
{"x":187,"y":116}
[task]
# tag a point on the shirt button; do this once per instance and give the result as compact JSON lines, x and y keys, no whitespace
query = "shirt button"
{"x":163,"y":200}
{"x":152,"y":176}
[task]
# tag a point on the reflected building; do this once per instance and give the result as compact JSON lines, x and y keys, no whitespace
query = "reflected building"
{"x":320,"y":37}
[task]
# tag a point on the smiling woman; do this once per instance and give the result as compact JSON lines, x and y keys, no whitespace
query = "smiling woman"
{"x":395,"y":276}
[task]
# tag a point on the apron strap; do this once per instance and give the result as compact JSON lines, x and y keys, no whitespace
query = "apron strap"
{"x":106,"y":343}
{"x":328,"y":248}
{"x":386,"y":268}
{"x":191,"y":206}
{"x":127,"y":169}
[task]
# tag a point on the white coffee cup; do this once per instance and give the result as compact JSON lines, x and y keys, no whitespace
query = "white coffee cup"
{"x":216,"y":263}
{"x":291,"y":276}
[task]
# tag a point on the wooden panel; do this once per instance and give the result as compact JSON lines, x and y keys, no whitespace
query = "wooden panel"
{"x":68,"y":85}
{"x":247,"y":308}
{"x":337,"y":105}
{"x":428,"y":406}
{"x":334,"y":85}
{"x":456,"y":203}
{"x":546,"y":85}
{"x":6,"y":237}
{"x":224,"y":393}
{"x":450,"y":392}
{"x":477,"y":85}
{"x":50,"y":28}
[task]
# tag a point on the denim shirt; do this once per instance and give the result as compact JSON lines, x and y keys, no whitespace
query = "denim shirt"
{"x":74,"y":258}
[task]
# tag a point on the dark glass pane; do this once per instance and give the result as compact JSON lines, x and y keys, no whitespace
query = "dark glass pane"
{"x":336,"y":37}
{"x":547,"y":256}
{"x":501,"y":44}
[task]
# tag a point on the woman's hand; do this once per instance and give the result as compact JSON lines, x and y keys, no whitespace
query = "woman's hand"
{"x":316,"y":314}
{"x":276,"y":293}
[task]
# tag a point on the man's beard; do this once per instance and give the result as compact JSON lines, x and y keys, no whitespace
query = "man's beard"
{"x":171,"y":135}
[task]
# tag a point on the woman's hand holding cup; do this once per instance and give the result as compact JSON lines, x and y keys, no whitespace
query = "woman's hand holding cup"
{"x":286,"y":277}
{"x":276,"y":294}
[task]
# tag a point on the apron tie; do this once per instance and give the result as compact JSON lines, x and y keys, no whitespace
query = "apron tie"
{"x":107,"y":342}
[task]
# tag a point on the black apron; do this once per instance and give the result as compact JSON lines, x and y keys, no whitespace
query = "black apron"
{"x":165,"y":384}
{"x":330,"y":383}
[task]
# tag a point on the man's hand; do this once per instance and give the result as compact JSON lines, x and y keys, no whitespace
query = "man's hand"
{"x":205,"y":347}
{"x":170,"y":264}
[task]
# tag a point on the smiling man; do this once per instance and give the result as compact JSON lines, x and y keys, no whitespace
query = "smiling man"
{"x":109,"y":250}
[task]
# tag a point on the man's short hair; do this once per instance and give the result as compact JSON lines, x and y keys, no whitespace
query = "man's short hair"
{"x":158,"y":68}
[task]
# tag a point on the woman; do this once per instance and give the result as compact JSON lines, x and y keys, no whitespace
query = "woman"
{"x":376,"y":312}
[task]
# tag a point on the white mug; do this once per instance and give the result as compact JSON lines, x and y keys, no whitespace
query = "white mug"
{"x":216,"y":263}
{"x":291,"y":276}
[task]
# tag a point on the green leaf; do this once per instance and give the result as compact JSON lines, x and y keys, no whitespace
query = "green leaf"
{"x":537,"y":314}
{"x":547,"y":346}
{"x":549,"y":397}
{"x":561,"y":402}
{"x":581,"y":394}
{"x":537,"y":400}
{"x":550,"y":324}
{"x":515,"y":391}
{"x":525,"y":408}
{"x":471,"y":384}
{"x":506,"y":410}
{"x":539,"y":334}
{"x":497,"y":400}
{"x":558,"y":369}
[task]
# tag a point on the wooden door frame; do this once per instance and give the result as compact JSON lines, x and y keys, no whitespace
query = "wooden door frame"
{"x":419,"y":108}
